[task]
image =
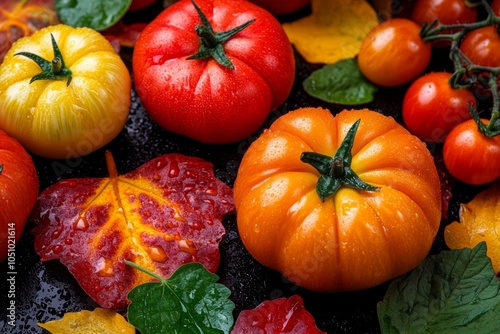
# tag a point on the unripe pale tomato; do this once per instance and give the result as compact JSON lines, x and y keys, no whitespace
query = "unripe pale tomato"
{"x":393,"y":53}
{"x":470,"y":156}
{"x":18,"y":191}
{"x":67,"y":103}
{"x":431,"y":107}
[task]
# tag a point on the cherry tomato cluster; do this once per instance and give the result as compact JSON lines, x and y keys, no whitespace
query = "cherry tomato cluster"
{"x":441,"y":107}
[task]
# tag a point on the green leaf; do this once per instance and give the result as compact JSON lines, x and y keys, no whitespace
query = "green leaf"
{"x":453,"y":292}
{"x":190,"y":301}
{"x":96,"y":14}
{"x":341,"y":83}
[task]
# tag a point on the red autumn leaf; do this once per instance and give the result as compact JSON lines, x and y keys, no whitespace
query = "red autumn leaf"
{"x":165,"y":213}
{"x":19,"y":18}
{"x":282,"y":315}
{"x":122,"y":34}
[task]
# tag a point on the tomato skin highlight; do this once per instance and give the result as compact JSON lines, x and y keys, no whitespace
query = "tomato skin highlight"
{"x":470,"y":156}
{"x":354,"y":239}
{"x":18,"y":191}
{"x":432,"y":108}
{"x":56,"y":119}
{"x":393,"y":53}
{"x":199,"y":98}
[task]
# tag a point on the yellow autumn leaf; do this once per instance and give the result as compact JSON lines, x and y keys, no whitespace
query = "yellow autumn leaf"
{"x":334,"y":30}
{"x":479,"y":221}
{"x":99,"y":321}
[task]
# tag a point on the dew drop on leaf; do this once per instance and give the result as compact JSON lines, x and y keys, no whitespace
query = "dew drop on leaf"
{"x":187,"y":246}
{"x":157,"y":254}
{"x":104,"y":267}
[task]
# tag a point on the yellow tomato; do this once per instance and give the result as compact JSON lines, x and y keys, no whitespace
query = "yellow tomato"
{"x":64,"y":92}
{"x":366,"y":213}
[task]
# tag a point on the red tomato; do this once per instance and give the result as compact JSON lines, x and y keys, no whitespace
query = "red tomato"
{"x":200,"y":98}
{"x":470,"y":156}
{"x":140,"y":4}
{"x":280,"y":7}
{"x":445,"y":11}
{"x":393,"y":53}
{"x":431,"y":107}
{"x":481,"y":46}
{"x":495,"y":5}
{"x":18,"y":191}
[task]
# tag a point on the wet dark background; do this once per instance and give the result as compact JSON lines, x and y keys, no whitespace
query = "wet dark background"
{"x":45,"y":291}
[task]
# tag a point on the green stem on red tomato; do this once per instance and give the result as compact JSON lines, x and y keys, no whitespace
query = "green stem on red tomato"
{"x":1,"y":169}
{"x":211,"y":42}
{"x":336,"y":171}
{"x":467,"y":73}
{"x":51,"y":70}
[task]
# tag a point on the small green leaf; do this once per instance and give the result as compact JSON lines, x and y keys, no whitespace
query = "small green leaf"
{"x":341,"y":83}
{"x":453,"y":292}
{"x":190,"y":301}
{"x":96,"y":14}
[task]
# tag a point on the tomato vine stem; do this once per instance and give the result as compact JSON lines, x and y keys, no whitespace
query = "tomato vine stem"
{"x":467,"y":73}
{"x":336,"y":171}
{"x":211,"y":42}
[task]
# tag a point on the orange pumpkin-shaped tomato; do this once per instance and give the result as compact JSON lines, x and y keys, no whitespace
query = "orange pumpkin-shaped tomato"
{"x":337,"y":203}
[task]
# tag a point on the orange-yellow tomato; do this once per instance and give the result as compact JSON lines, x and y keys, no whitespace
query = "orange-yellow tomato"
{"x":393,"y":53}
{"x":354,"y":239}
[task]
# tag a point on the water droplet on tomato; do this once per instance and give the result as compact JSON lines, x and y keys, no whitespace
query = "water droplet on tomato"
{"x":157,"y":254}
{"x":104,"y":267}
{"x":174,"y":170}
{"x":186,"y":246}
{"x":81,"y":225}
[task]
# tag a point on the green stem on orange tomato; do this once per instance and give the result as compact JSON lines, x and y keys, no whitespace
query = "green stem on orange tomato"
{"x":211,"y":42}
{"x":336,"y":171}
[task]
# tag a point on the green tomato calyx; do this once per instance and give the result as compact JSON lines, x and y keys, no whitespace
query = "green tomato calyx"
{"x":211,"y":42}
{"x":51,"y":70}
{"x":336,"y":171}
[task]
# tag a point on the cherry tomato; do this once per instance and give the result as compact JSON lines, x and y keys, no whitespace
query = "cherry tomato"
{"x":281,"y":7}
{"x":431,"y":107}
{"x":481,"y":46}
{"x":393,"y":53}
{"x":226,"y":89}
{"x":470,"y":156}
{"x":18,"y":191}
{"x":445,"y":11}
